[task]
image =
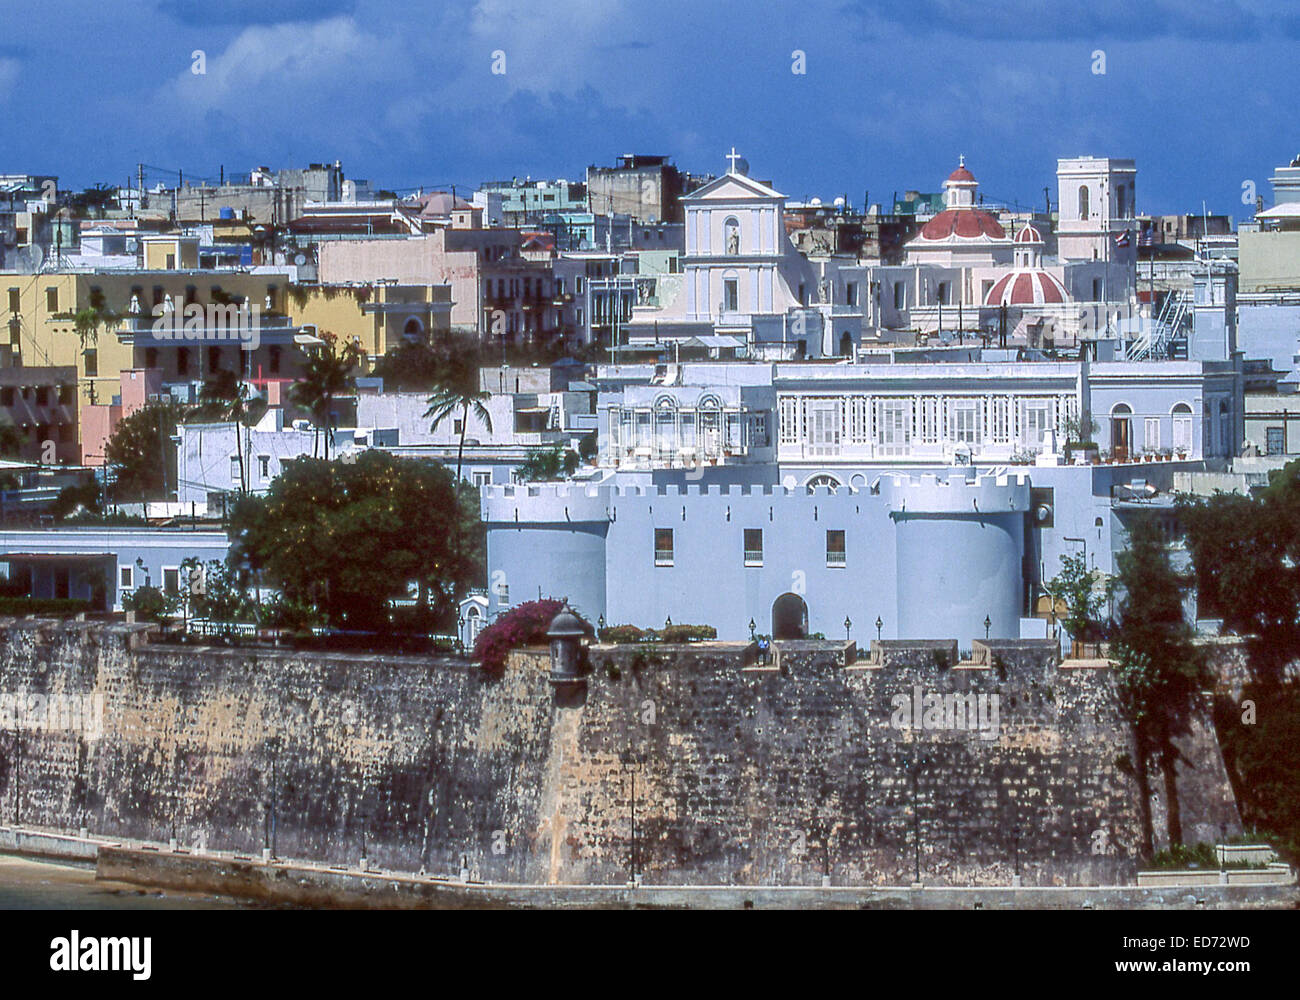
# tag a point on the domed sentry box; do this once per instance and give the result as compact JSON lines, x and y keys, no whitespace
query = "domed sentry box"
{"x":566,"y":634}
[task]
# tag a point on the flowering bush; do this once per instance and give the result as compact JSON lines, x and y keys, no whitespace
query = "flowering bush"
{"x":522,"y":625}
{"x":620,"y":634}
{"x":670,"y":633}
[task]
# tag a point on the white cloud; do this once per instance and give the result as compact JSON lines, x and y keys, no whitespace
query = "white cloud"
{"x":281,"y":64}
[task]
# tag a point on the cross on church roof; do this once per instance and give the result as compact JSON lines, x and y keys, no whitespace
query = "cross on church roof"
{"x":733,"y":156}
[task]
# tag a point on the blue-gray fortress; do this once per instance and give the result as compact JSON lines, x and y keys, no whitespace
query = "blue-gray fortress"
{"x":745,"y":772}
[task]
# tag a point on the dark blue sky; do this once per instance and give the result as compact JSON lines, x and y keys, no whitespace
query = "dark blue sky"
{"x":1201,"y":94}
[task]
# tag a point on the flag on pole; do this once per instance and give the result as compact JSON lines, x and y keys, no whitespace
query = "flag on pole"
{"x":1121,"y":239}
{"x":1147,"y":238}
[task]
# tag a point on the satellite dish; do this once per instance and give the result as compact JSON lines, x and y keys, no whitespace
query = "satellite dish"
{"x":300,"y":259}
{"x":789,"y":482}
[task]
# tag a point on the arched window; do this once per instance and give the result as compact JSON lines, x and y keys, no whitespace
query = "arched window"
{"x":414,"y":329}
{"x":665,"y":427}
{"x":710,"y":426}
{"x":1083,"y":202}
{"x":1182,"y":417}
{"x":824,"y":479}
{"x":1121,"y":431}
{"x":731,"y":229}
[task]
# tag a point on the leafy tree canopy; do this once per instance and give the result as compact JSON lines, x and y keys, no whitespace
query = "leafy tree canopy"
{"x":350,"y":537}
{"x":1246,"y":554}
{"x":142,"y":453}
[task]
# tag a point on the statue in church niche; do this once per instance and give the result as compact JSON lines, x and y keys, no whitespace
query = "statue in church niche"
{"x":733,"y":236}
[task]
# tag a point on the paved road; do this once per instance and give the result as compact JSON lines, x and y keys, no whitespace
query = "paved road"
{"x":44,"y":885}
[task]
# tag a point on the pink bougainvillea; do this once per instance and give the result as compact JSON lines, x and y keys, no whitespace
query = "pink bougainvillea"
{"x":523,"y":625}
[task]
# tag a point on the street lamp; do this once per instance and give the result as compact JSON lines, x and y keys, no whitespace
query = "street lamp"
{"x":630,"y":762}
{"x":752,"y":627}
{"x":668,"y":622}
{"x":879,"y":625}
{"x":600,"y":627}
{"x":848,"y":627}
{"x":915,"y":765}
{"x":988,"y":624}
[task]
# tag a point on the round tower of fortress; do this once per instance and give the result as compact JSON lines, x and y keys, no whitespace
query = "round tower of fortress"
{"x":546,"y":538}
{"x":960,"y":559}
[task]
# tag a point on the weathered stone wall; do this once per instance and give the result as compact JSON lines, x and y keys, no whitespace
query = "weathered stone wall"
{"x":744,"y":772}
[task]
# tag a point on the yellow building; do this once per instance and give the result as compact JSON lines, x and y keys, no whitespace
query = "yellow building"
{"x":103,"y":322}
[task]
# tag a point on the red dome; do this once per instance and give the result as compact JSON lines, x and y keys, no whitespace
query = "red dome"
{"x":968,"y":223}
{"x":1029,"y":235}
{"x":1026,"y":288}
{"x":961,"y":174}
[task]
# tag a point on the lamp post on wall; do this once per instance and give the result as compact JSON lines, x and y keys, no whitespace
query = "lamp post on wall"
{"x":914,"y":765}
{"x":631,"y":762}
{"x":988,"y":624}
{"x":753,"y":627}
{"x":879,"y":625}
{"x":848,"y":627}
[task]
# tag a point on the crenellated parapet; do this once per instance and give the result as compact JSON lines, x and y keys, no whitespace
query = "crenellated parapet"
{"x":928,"y":494}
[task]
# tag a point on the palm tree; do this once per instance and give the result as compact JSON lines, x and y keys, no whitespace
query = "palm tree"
{"x":327,"y":373}
{"x":225,"y":397}
{"x":457,"y":391}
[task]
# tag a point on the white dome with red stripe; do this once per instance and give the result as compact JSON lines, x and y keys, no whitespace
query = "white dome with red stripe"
{"x":1029,"y":235}
{"x":1027,"y":287}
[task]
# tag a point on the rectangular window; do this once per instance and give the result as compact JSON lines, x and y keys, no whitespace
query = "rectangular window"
{"x":1151,"y":434}
{"x":851,"y":293}
{"x":264,"y":466}
{"x":126,"y":577}
{"x":1001,"y":419}
{"x":894,"y":426}
{"x":835,"y":552}
{"x":1275,"y":441}
{"x":964,"y":420}
{"x":92,"y":363}
{"x":482,"y":479}
{"x":172,"y":579}
{"x":15,"y":300}
{"x":929,"y":420}
{"x":51,"y":300}
{"x":824,"y":422}
{"x":663,"y":546}
{"x":234,"y":469}
{"x":731,"y":295}
{"x":753,"y":546}
{"x":1036,"y":421}
{"x":900,"y":295}
{"x":789,"y":420}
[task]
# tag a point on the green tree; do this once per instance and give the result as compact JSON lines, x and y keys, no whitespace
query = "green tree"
{"x":457,"y":392}
{"x":411,"y":366}
{"x":142,"y":454}
{"x":349,"y":538}
{"x":544,"y":464}
{"x":326,"y":374}
{"x":1082,"y":592}
{"x":1237,"y":543}
{"x":225,"y":398}
{"x":1159,"y":669}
